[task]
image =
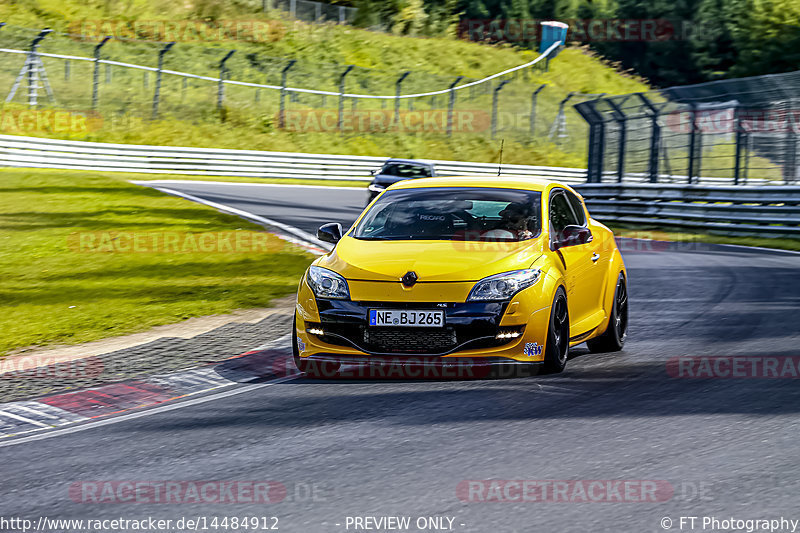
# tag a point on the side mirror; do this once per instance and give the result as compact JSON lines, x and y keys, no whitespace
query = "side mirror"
{"x":373,"y":171}
{"x":572,"y":236}
{"x":331,"y":233}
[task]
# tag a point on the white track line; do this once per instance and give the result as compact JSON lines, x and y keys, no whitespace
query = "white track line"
{"x":147,"y":412}
{"x":296,"y":232}
{"x":151,"y":183}
{"x":23,"y":419}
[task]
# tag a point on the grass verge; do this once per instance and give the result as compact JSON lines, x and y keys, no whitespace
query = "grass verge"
{"x":660,"y":235}
{"x":56,"y":288}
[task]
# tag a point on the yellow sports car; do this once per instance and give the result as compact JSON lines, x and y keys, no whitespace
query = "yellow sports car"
{"x":463,"y":269}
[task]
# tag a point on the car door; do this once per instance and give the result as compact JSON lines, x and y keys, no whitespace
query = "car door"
{"x":596,"y":274}
{"x":576,"y":260}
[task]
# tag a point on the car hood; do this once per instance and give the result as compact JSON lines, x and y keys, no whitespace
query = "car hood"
{"x":432,"y":260}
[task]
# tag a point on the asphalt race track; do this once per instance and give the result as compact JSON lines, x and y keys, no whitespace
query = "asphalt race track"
{"x":727,"y":447}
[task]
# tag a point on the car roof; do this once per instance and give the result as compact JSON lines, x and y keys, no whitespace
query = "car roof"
{"x":531,"y":184}
{"x":424,"y":162}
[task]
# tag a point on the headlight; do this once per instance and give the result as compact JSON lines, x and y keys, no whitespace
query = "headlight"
{"x":327,"y":284}
{"x":375,"y":187}
{"x":503,"y":286}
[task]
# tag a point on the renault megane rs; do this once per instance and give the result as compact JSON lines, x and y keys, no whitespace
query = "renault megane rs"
{"x":449,"y":270}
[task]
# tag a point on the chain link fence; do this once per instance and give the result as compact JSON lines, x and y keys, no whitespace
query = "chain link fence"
{"x":134,"y":81}
{"x":744,"y":130}
{"x":313,"y":11}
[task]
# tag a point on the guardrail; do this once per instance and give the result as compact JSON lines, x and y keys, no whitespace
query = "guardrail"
{"x":767,"y":211}
{"x":36,"y":152}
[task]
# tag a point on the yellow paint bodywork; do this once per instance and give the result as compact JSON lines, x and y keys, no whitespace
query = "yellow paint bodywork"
{"x":448,"y":270}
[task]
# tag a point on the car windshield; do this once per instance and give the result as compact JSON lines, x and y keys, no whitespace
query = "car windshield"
{"x":453,"y":213}
{"x":405,"y":170}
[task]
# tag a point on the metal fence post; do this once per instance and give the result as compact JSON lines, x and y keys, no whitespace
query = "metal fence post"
{"x":293,"y":8}
{"x":495,"y":98}
{"x":157,"y":92}
{"x":655,"y":138}
{"x":282,"y":104}
{"x":587,"y":110}
{"x":33,"y":69}
{"x":790,"y":150}
{"x":397,"y":85}
{"x":739,"y":139}
{"x":621,"y":119}
{"x":341,"y":95}
{"x":451,"y":105}
{"x":559,"y":127}
{"x":66,"y":70}
{"x":96,"y":72}
{"x":692,"y":142}
{"x":221,"y":84}
{"x":534,"y":96}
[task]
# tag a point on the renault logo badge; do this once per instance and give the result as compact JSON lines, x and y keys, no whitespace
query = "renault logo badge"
{"x":409,"y":279}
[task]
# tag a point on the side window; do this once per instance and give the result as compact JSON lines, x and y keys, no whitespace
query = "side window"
{"x":577,"y":206}
{"x":561,"y":214}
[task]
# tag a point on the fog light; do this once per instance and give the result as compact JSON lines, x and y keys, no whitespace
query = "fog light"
{"x":316,"y":331}
{"x":508,"y":334}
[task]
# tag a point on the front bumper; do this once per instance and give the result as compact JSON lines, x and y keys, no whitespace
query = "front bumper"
{"x":341,"y":334}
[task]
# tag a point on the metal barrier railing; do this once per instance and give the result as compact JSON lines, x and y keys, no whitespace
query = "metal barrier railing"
{"x":767,"y":211}
{"x":34,"y":152}
{"x":736,"y":210}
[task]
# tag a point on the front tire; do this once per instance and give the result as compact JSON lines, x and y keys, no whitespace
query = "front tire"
{"x":613,"y":338}
{"x":557,"y":348}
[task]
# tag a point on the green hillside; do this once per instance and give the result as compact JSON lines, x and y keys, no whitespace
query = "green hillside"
{"x":249,"y":118}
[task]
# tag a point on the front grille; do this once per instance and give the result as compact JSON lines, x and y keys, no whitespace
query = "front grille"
{"x":410,"y":340}
{"x":468,"y":326}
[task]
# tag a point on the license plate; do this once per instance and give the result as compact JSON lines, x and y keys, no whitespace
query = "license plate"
{"x":406,"y":318}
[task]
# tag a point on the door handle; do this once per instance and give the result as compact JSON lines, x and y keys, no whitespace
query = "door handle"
{"x":595,"y":257}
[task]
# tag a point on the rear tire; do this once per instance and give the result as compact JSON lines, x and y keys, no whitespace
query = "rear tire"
{"x":314,"y":369}
{"x":557,"y":348}
{"x":613,"y":338}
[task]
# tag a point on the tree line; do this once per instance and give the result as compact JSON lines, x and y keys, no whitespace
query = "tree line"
{"x":684,"y":41}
